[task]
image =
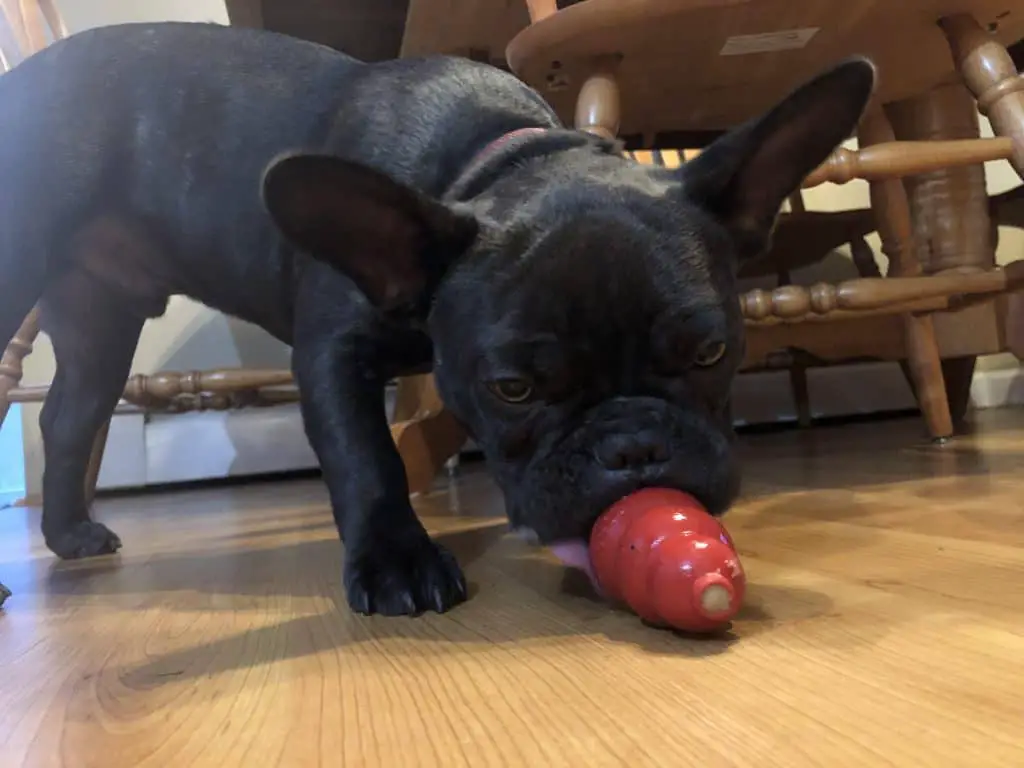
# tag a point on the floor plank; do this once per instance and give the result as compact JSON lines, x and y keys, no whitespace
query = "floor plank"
{"x":884,"y":626}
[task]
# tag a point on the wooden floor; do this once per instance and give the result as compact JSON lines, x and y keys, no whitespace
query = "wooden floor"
{"x":884,"y":626}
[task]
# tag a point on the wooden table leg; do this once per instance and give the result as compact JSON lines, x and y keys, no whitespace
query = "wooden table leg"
{"x":892,"y":209}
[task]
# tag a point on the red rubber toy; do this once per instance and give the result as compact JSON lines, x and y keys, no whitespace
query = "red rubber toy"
{"x":661,"y":553}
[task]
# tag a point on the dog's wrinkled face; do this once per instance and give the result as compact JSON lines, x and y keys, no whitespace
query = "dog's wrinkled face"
{"x":583,"y":307}
{"x":600,"y":359}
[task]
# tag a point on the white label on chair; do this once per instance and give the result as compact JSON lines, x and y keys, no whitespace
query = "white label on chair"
{"x":785,"y":40}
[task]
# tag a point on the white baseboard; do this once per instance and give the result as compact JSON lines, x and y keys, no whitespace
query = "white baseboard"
{"x":188,"y":447}
{"x":244,"y":443}
{"x":848,"y":390}
{"x":997,"y":388}
{"x":761,"y":398}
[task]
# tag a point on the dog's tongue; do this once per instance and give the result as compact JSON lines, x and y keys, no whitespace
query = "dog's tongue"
{"x":576,"y":554}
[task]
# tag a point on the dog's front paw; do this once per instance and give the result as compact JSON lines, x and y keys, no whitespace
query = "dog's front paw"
{"x":85,"y":539}
{"x":403,"y":579}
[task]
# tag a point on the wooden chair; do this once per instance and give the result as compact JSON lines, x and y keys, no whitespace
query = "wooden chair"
{"x":426,"y":434}
{"x":662,"y":73}
{"x":618,"y":58}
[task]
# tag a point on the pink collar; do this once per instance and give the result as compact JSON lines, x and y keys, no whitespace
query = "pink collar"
{"x":502,"y":140}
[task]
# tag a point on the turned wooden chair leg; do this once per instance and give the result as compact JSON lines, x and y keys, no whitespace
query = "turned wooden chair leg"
{"x":892,"y":209}
{"x":541,"y":9}
{"x":11,"y":362}
{"x":864,"y":260}
{"x":798,"y":381}
{"x":598,"y":103}
{"x":425,"y":432}
{"x":951,"y":211}
{"x":990,"y":74}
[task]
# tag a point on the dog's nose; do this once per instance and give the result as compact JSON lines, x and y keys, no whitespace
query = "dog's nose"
{"x":622,"y":452}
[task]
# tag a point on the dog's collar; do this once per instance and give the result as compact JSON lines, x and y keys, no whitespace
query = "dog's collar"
{"x":506,"y":138}
{"x":481,"y":169}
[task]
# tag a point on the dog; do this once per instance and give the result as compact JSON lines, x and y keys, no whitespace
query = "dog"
{"x":579,"y":310}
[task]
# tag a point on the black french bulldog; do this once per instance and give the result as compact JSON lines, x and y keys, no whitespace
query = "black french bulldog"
{"x":579,"y":310}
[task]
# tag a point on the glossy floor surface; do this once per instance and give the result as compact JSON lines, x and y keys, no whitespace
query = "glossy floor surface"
{"x":884,"y":626}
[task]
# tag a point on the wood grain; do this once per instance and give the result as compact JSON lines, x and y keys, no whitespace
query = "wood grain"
{"x":674,"y":75}
{"x":883,"y":628}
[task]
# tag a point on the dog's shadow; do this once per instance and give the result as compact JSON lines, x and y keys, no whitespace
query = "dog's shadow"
{"x":515,"y":596}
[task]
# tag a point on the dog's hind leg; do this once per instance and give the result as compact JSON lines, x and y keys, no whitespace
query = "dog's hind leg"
{"x":94,"y":335}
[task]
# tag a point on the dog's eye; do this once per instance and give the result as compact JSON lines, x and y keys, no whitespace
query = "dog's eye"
{"x":511,"y":390}
{"x":710,"y":352}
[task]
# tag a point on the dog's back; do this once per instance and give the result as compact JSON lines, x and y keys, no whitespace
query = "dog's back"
{"x":126,"y":140}
{"x":136,"y":153}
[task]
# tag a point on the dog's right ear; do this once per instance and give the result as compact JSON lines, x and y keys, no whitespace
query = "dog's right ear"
{"x":744,"y":176}
{"x":392,"y":241}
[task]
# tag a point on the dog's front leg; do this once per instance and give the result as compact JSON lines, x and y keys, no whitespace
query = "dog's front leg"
{"x":392,"y":566}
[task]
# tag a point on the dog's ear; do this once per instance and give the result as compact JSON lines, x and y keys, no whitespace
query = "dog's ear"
{"x":744,"y":177}
{"x":392,"y":241}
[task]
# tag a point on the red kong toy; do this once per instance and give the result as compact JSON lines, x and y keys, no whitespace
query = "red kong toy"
{"x":661,"y":553}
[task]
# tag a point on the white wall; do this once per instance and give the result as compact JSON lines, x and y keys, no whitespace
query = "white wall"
{"x":189,"y":336}
{"x":85,"y":14}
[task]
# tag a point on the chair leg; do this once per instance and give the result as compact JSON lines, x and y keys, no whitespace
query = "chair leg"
{"x":598,"y":104}
{"x":801,"y":389}
{"x":959,"y":373}
{"x":425,"y":445}
{"x":425,"y":432}
{"x":11,"y":362}
{"x":990,"y":74}
{"x":416,"y":395}
{"x":798,"y":383}
{"x":926,"y":370}
{"x":892,"y":210}
{"x":92,"y":472}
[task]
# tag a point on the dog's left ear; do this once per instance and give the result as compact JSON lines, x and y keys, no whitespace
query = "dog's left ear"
{"x":392,"y":241}
{"x":744,"y":177}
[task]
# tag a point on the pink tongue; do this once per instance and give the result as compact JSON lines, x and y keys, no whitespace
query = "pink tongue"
{"x":576,"y":554}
